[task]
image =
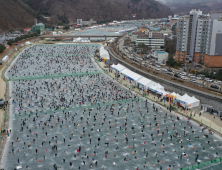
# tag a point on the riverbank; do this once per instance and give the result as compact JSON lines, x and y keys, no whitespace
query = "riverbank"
{"x":213,"y":122}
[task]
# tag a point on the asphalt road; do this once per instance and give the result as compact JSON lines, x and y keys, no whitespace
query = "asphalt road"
{"x":188,"y":77}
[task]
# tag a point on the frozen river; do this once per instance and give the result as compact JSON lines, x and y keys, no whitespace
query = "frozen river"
{"x":65,"y":113}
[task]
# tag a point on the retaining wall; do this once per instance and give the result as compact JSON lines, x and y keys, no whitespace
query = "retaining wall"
{"x":206,"y":98}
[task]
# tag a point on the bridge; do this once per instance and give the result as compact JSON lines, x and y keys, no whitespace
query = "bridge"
{"x":77,"y":36}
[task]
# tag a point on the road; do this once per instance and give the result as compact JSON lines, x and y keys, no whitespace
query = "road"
{"x":150,"y":63}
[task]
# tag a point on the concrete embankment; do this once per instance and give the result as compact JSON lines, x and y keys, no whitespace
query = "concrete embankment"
{"x":206,"y":98}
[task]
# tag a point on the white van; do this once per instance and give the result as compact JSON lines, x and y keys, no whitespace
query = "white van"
{"x":183,"y":74}
{"x":163,"y":70}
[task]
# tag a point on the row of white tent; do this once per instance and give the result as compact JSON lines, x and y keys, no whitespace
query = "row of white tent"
{"x":185,"y":100}
{"x":80,"y":40}
{"x":104,"y":54}
{"x":97,"y":26}
{"x":147,"y":84}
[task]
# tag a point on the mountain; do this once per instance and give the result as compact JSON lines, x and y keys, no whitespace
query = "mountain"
{"x":15,"y":15}
{"x":188,"y":1}
{"x":184,"y":6}
{"x":65,"y":11}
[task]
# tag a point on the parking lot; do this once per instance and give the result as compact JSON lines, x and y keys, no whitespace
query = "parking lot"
{"x":154,"y":65}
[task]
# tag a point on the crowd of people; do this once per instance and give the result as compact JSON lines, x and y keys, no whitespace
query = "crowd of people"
{"x":90,"y":121}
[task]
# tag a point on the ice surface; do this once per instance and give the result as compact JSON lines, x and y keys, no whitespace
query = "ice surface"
{"x":72,"y":110}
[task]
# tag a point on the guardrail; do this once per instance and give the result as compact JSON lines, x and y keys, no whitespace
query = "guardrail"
{"x":179,"y":79}
{"x":211,"y":99}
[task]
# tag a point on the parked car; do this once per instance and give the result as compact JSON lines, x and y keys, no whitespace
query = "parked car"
{"x":218,"y":82}
{"x":201,"y":75}
{"x":177,"y":75}
{"x":209,"y":80}
{"x":183,"y":74}
{"x":193,"y":80}
{"x":189,"y":75}
{"x":169,"y":70}
{"x":201,"y":83}
{"x":157,"y":66}
{"x":163,"y":70}
{"x":183,"y":77}
{"x":214,"y":86}
{"x":170,"y":74}
{"x":157,"y":69}
{"x":198,"y":78}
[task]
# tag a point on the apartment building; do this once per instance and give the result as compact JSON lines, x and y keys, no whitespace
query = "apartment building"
{"x":198,"y":39}
{"x":151,"y":39}
{"x":134,"y":36}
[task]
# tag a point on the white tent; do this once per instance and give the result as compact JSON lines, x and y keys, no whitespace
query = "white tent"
{"x":134,"y":77}
{"x":130,"y":75}
{"x":125,"y":73}
{"x":151,"y":84}
{"x":195,"y":101}
{"x":143,"y":82}
{"x":111,"y":40}
{"x":27,"y":43}
{"x":158,"y":89}
{"x":104,"y":54}
{"x":54,"y":33}
{"x":77,"y":39}
{"x":118,"y":67}
{"x":188,"y":102}
{"x":5,"y":58}
{"x":85,"y":41}
{"x":175,"y":95}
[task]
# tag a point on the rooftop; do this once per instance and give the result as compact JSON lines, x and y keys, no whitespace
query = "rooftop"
{"x":154,"y":28}
{"x":160,"y":52}
{"x":155,"y":35}
{"x":137,"y":33}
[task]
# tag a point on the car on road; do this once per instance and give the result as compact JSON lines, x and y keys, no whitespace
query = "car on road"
{"x":201,"y":75}
{"x":218,"y":82}
{"x":139,"y":58}
{"x":183,"y":77}
{"x":163,"y":70}
{"x":209,"y":80}
{"x":170,"y":74}
{"x":214,"y":86}
{"x":169,"y":70}
{"x":201,"y":83}
{"x":177,"y":75}
{"x":193,"y":80}
{"x":183,"y":74}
